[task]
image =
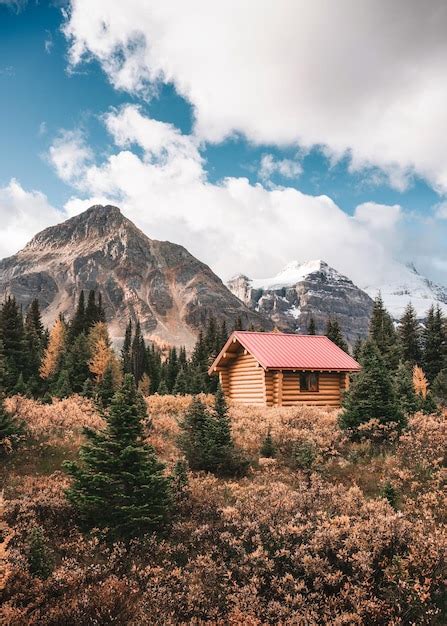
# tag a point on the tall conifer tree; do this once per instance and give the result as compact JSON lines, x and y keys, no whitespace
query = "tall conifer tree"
{"x":409,"y":334}
{"x":119,"y":484}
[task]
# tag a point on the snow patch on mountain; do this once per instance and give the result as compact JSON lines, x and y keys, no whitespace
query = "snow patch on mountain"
{"x":293,"y":273}
{"x":405,"y":285}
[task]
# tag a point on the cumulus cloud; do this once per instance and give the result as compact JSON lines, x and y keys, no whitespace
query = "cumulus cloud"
{"x":364,"y":79}
{"x":287,"y":168}
{"x":70,"y":155}
{"x":232,"y":225}
{"x":22,"y":214}
{"x":378,"y":216}
{"x":441,"y":211}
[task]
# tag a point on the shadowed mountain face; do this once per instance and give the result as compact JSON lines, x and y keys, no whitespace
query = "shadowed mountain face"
{"x":158,"y":282}
{"x":304,"y":290}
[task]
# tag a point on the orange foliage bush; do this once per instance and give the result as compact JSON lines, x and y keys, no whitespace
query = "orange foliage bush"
{"x":279,"y":546}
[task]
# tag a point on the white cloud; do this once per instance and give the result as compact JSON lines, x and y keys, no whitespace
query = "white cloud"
{"x":383,"y":217}
{"x":70,"y":155}
{"x":287,"y":168}
{"x":361,"y":78}
{"x":441,"y":211}
{"x":233,"y":225}
{"x":22,"y":214}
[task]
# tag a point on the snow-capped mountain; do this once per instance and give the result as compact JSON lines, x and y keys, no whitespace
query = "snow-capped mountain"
{"x":405,"y":285}
{"x":302,"y":290}
{"x":313,"y":288}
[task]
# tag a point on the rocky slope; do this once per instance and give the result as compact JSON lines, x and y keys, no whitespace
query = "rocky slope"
{"x":161,"y":283}
{"x":302,"y":290}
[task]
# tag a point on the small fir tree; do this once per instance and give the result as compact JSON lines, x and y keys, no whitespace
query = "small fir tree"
{"x":118,"y":485}
{"x":434,"y":343}
{"x":126,"y":358}
{"x":39,"y":556}
{"x":162,"y":388}
{"x":334,"y":333}
{"x":409,"y":335}
{"x":390,"y":494}
{"x":14,"y":343}
{"x":268,"y":449}
{"x":62,"y":387}
{"x":106,"y":388}
{"x":20,"y":389}
{"x":383,"y":333}
{"x":357,"y":350}
{"x":405,"y":392}
{"x":439,"y":388}
{"x":181,"y":383}
{"x":371,"y":395}
{"x":77,"y":324}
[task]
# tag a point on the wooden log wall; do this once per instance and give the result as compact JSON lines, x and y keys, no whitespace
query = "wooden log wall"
{"x":246,"y":382}
{"x":328,"y":394}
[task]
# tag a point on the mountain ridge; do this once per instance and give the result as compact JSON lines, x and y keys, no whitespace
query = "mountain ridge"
{"x":170,"y":291}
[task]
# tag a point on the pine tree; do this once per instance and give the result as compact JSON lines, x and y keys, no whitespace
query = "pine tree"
{"x":39,"y":556}
{"x":76,"y":362}
{"x":119,"y":485}
{"x":383,"y":333}
{"x":194,"y":439}
{"x":163,"y":388}
{"x":434,"y":342}
{"x":372,"y":394}
{"x":409,"y":335}
{"x":92,"y":311}
{"x":311,"y":329}
{"x":172,"y":369}
{"x":181,"y":383}
{"x":406,"y":395}
{"x":390,"y":494}
{"x":34,"y":339}
{"x":52,"y":357}
{"x":78,"y":325}
{"x":439,"y":388}
{"x":126,"y":357}
{"x":3,"y":367}
{"x":268,"y":449}
{"x":87,"y":389}
{"x":334,"y":333}
{"x":106,"y":388}
{"x":138,"y":354}
{"x":357,"y":350}
{"x":62,"y":387}
{"x":100,"y":309}
{"x":20,"y":389}
{"x":13,"y":338}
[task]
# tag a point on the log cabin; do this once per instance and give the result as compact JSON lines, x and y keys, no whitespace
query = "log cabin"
{"x":279,"y":369}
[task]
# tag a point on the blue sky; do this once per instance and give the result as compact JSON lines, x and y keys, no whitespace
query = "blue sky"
{"x":44,"y":96}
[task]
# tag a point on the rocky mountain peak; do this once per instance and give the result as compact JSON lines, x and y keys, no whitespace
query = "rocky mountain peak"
{"x":159,"y":283}
{"x":98,"y":223}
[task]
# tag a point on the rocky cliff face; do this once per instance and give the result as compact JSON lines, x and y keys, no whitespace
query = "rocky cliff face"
{"x":161,"y":283}
{"x":300,"y":291}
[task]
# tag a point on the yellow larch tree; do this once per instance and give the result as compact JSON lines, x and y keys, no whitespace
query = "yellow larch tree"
{"x":53,"y":353}
{"x":420,"y":383}
{"x":101,"y":357}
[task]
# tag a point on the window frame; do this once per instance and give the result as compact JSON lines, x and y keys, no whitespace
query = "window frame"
{"x":307,"y":377}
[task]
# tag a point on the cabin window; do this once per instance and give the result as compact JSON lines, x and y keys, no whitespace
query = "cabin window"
{"x":308,"y":381}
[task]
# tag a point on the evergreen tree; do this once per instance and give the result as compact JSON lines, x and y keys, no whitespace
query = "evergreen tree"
{"x":20,"y":389}
{"x":238,"y":324}
{"x":153,"y":367}
{"x":357,"y":350}
{"x":13,"y":338}
{"x":390,"y":494}
{"x":91,"y":311}
{"x":3,"y":367}
{"x":383,"y":333}
{"x":268,"y":449}
{"x":406,"y":395}
{"x":119,"y":485}
{"x":138,"y":354}
{"x":126,"y":356}
{"x":106,"y":388}
{"x":78,"y":323}
{"x":87,"y":389}
{"x":76,"y":363}
{"x":181,"y":383}
{"x":372,"y":394}
{"x":34,"y":339}
{"x":439,"y":388}
{"x":172,"y":369}
{"x":39,"y":556}
{"x":434,"y":342}
{"x":194,"y":440}
{"x":10,"y":428}
{"x":100,"y":310}
{"x":61,"y":387}
{"x":409,"y":335}
{"x":311,"y":329}
{"x":162,"y":388}
{"x":334,"y":333}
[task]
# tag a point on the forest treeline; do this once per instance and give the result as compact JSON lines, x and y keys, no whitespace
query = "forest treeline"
{"x":77,"y":356}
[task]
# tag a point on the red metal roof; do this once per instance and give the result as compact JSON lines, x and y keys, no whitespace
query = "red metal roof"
{"x":283,"y":351}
